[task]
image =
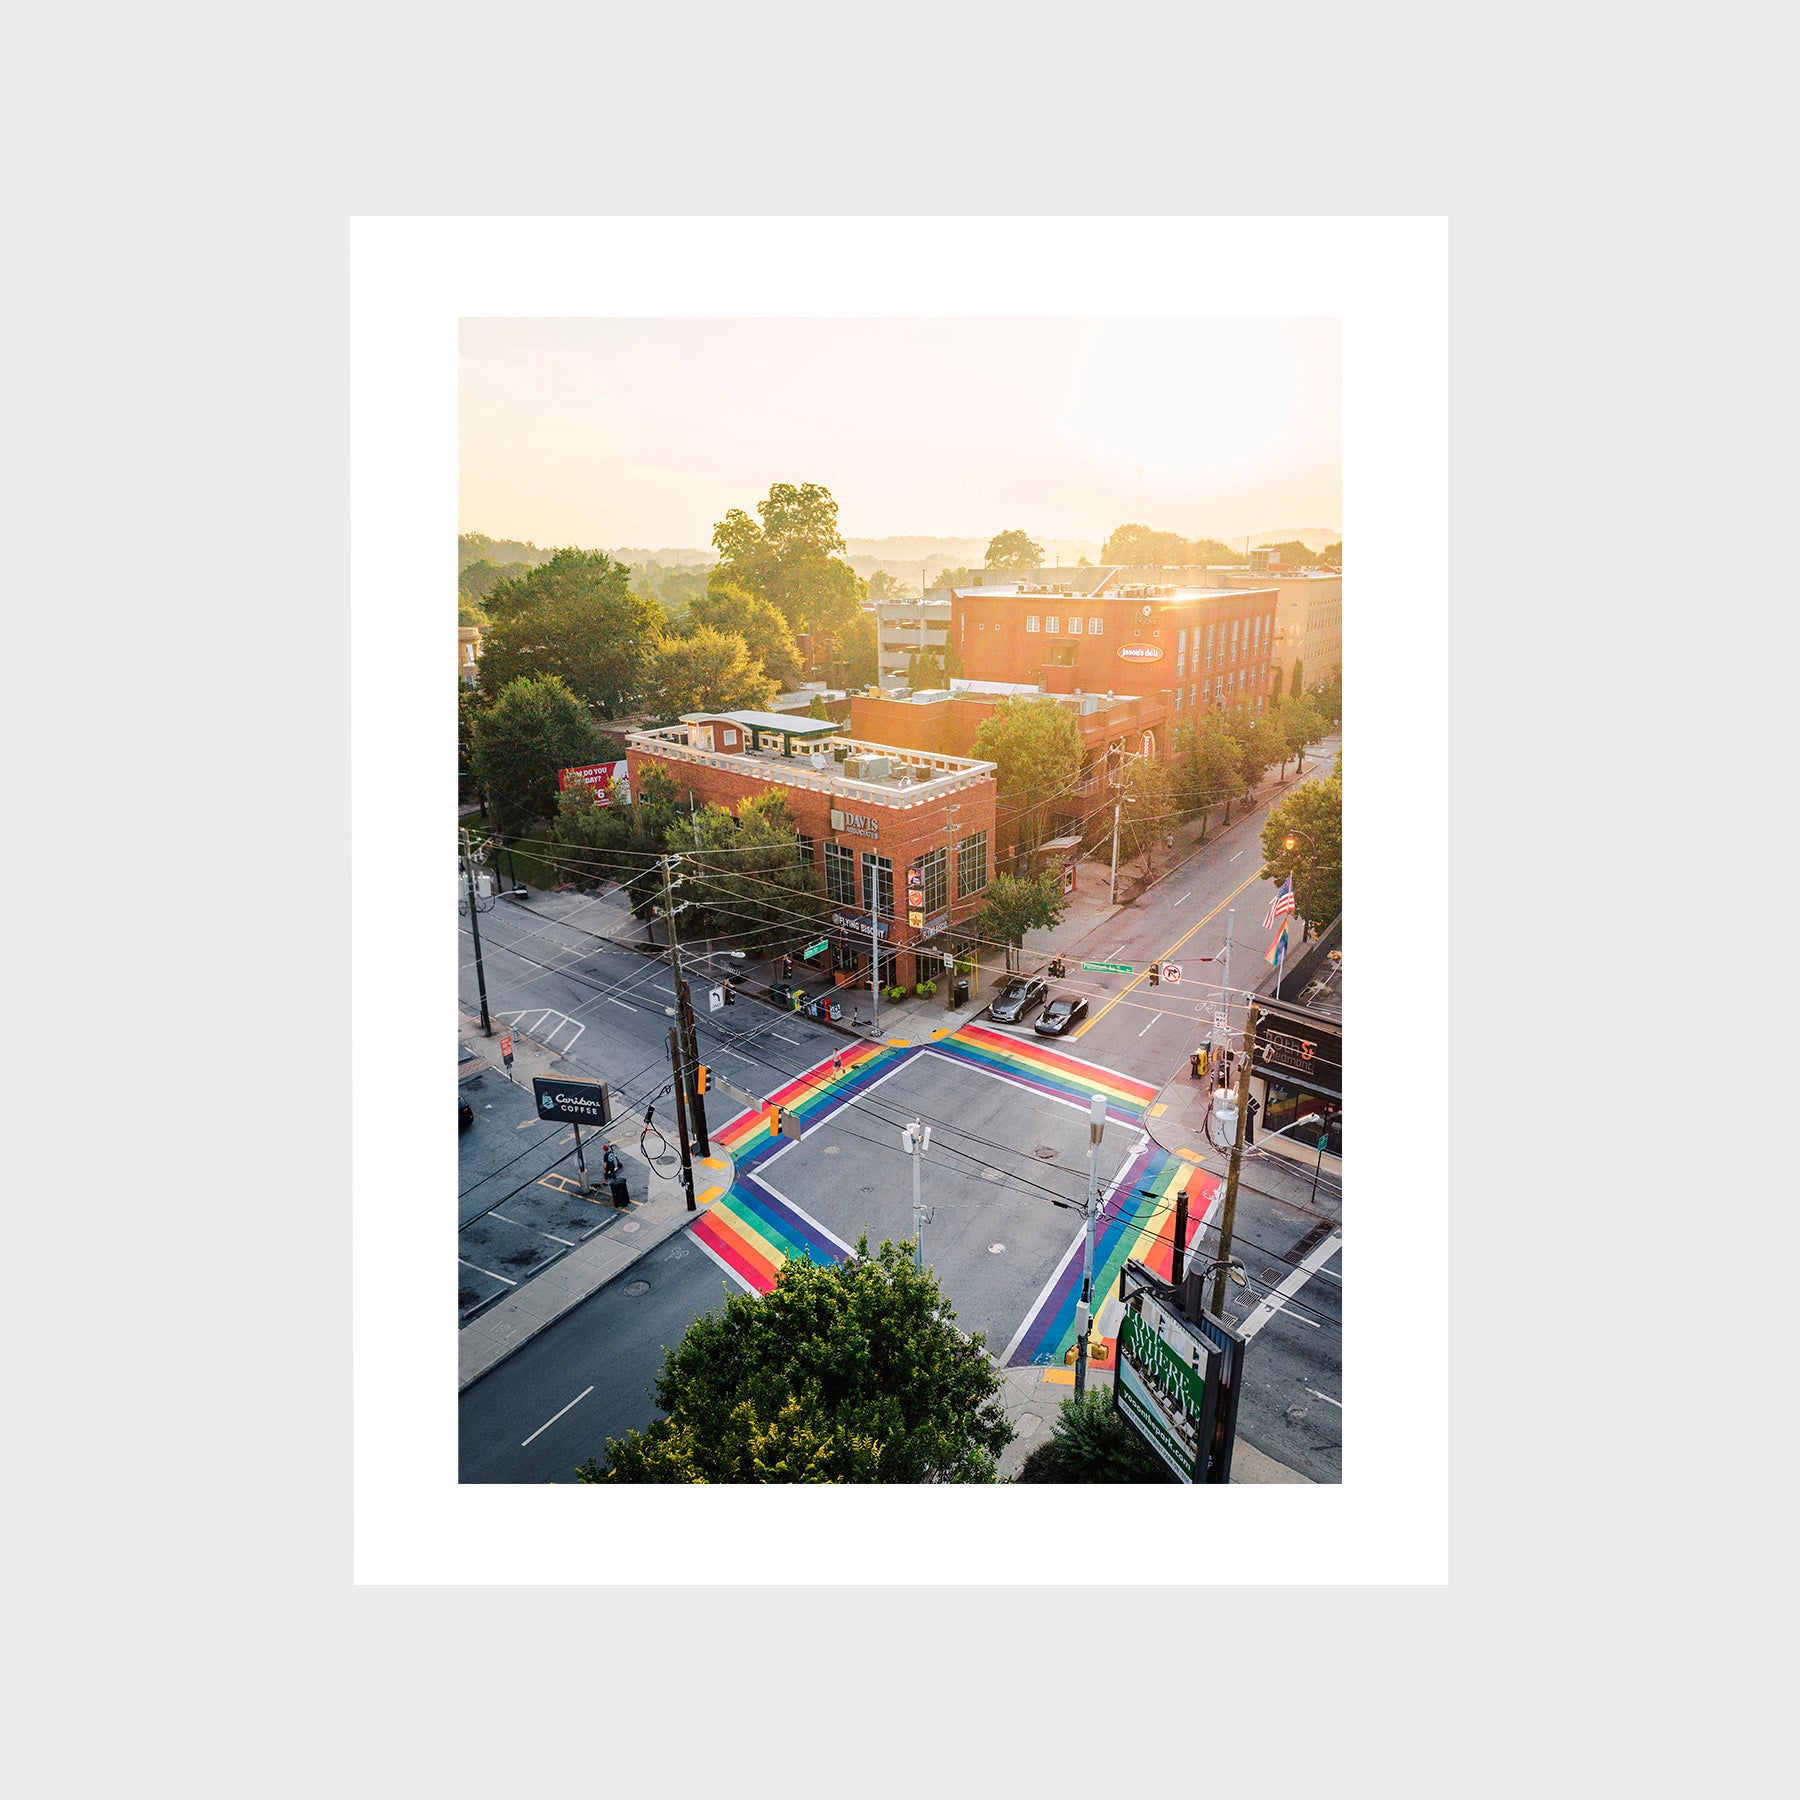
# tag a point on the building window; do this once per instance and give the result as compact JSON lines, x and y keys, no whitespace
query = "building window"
{"x":934,"y":866}
{"x":1205,"y":695}
{"x":880,"y":870}
{"x":840,"y":875}
{"x":1074,"y":628}
{"x":971,"y":865}
{"x":1095,"y":627}
{"x":1031,"y":621}
{"x":1052,"y":625}
{"x":803,"y":846}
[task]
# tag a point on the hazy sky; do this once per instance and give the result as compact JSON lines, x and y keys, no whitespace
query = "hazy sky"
{"x":609,"y":432}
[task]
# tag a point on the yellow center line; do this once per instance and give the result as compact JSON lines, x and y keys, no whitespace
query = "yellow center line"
{"x":1144,"y":974}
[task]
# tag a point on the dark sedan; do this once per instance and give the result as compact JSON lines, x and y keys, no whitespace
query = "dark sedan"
{"x":1060,"y":1016}
{"x":1018,"y":994}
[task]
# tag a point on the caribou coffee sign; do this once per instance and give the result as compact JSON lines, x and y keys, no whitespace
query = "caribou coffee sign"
{"x":1140,"y":652}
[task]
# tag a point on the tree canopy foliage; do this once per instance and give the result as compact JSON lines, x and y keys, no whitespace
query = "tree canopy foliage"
{"x":1312,"y":811}
{"x":951,"y":578}
{"x":1205,"y":768}
{"x":474,"y":547}
{"x":789,"y":560}
{"x":1090,"y":1442}
{"x":1016,"y":904}
{"x":1333,"y":554}
{"x":765,"y":632}
{"x":744,"y":877}
{"x":535,"y":727}
{"x":1146,"y":807}
{"x":842,"y":1372}
{"x":1036,"y":748}
{"x":703,"y":670}
{"x":575,"y":617}
{"x":1013,"y":550}
{"x":621,"y":841}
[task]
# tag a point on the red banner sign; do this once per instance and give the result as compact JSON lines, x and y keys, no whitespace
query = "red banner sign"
{"x":606,"y":780}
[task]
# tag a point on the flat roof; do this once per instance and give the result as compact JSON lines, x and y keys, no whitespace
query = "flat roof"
{"x":791,"y":723}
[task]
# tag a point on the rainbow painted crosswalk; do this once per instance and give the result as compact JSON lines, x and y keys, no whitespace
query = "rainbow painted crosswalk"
{"x":752,"y":1231}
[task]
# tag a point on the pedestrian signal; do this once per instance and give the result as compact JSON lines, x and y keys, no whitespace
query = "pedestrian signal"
{"x":701,"y":1075}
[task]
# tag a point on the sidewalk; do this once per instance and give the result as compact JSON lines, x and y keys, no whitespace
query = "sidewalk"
{"x":561,"y":1287}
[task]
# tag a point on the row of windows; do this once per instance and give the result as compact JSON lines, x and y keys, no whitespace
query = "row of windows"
{"x":1052,"y":627}
{"x":878,"y":875}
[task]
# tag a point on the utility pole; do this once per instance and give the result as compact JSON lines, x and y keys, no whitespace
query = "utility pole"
{"x":1224,"y":1006}
{"x":684,"y":1013}
{"x":917,"y":1139}
{"x":1112,"y":892}
{"x":1237,"y":1158}
{"x":681,"y":1123}
{"x":874,"y":869}
{"x":1179,"y":1252}
{"x":487,"y":1024}
{"x":1083,"y":1312}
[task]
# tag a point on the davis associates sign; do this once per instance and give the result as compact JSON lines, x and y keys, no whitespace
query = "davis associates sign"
{"x":1166,"y":1385}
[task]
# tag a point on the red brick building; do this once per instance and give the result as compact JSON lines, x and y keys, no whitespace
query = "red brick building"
{"x":1196,"y":647}
{"x":868,"y":815}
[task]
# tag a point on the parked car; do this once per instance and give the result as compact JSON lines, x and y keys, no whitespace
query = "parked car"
{"x":1062,"y":1014}
{"x":465,"y":1113}
{"x":1017,"y":995}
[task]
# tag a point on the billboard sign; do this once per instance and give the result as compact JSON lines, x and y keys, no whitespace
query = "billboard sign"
{"x":607,"y":781}
{"x":572,"y":1102}
{"x":1165,"y":1386}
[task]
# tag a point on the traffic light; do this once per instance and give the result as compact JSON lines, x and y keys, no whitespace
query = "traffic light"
{"x":1156,"y":974}
{"x":730,"y":994}
{"x":701,"y":1075}
{"x":787,"y":968}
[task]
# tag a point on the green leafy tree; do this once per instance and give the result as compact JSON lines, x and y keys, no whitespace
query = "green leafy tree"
{"x":705,"y":671}
{"x":591,"y":839}
{"x":789,"y":560}
{"x":1259,"y":745}
{"x":1139,"y":544}
{"x":884,"y":589}
{"x":1333,"y":554}
{"x":951,"y":578}
{"x":622,"y":841}
{"x":1293,"y":552}
{"x":1036,"y":748}
{"x":744,"y":876}
{"x":1328,"y":697}
{"x":1312,"y":814}
{"x":1211,"y":554}
{"x":471,"y":703}
{"x":842,"y":1372}
{"x":535,"y":727}
{"x":1300,"y":723}
{"x":1016,"y":904}
{"x":575,"y":617}
{"x":1013,"y":550}
{"x":758,"y":622}
{"x":1091,"y":1443}
{"x":861,"y":646}
{"x":1146,"y":808}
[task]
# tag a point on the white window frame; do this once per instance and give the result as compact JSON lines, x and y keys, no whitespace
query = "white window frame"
{"x":1031,"y":622}
{"x":1095,"y":627}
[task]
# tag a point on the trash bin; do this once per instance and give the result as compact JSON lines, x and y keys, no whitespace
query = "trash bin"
{"x":621,"y":1194}
{"x":960,"y":993}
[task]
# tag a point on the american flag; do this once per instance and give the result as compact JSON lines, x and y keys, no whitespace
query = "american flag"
{"x":1282,"y":903}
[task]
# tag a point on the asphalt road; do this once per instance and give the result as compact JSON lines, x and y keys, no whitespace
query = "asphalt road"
{"x":555,"y":1402}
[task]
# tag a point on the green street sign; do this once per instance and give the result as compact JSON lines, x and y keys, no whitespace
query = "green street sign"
{"x":1109,"y":968}
{"x":814,"y":949}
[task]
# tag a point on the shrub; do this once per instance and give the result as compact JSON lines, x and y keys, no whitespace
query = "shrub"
{"x":925,"y":989}
{"x":894,"y":992}
{"x":1090,"y":1443}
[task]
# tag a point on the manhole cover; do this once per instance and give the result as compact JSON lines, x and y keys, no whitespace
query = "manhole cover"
{"x":635,"y":1288}
{"x":1045,"y":1153}
{"x":629,"y":1225}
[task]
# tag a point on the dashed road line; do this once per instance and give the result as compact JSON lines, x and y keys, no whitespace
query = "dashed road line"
{"x":489,"y":1273}
{"x":555,"y":1416}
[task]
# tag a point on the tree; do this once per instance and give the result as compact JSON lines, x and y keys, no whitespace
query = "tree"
{"x":745,"y":876}
{"x":1333,"y":554}
{"x":788,"y":560}
{"x":471,"y":703}
{"x":1206,"y":768}
{"x":1037,"y":750}
{"x":1313,"y":814}
{"x":1016,"y":904}
{"x":1139,"y":544}
{"x":705,"y":671}
{"x":952,"y":578}
{"x":1211,"y":554}
{"x":862,"y":654}
{"x":1090,"y":1442}
{"x":1328,"y":697}
{"x":1293,"y":551}
{"x":842,"y":1372}
{"x":884,"y":589}
{"x":1259,"y":743}
{"x":575,"y":617}
{"x":1300,"y":723}
{"x":758,"y":622}
{"x":1146,"y":808}
{"x":1013,"y":550}
{"x":535,"y":727}
{"x":622,"y":841}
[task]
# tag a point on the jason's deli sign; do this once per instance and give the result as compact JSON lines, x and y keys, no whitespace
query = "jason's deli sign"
{"x":572,"y":1102}
{"x":608,"y":781}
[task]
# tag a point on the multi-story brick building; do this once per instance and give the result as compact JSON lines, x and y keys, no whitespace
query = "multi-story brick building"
{"x":1195,"y":647}
{"x":867,"y":814}
{"x":1309,"y":618}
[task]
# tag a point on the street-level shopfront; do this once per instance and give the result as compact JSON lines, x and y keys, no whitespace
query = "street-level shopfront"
{"x":1296,"y":1070}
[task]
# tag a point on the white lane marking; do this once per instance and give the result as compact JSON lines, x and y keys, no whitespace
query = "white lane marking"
{"x":1326,"y":1398}
{"x":489,"y":1273}
{"x":555,"y":1416}
{"x":1321,"y":1255}
{"x":610,"y":1001}
{"x":783,"y":1036}
{"x":1289,"y":1313}
{"x":1232,"y":859}
{"x":1154,"y":1020}
{"x":1185,"y":898}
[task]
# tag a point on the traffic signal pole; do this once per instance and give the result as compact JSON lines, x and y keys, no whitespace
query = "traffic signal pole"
{"x":487,"y":1024}
{"x":1084,"y":1312}
{"x":681,"y":1120}
{"x":1229,"y":1215}
{"x":686,"y":1077}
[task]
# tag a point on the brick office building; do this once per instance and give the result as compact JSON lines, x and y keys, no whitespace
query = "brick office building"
{"x":867,"y":814}
{"x":1195,"y":647}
